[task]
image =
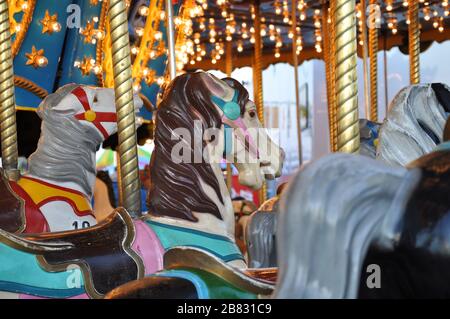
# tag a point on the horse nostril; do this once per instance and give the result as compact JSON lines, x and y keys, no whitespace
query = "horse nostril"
{"x":282,"y":154}
{"x":264,"y":163}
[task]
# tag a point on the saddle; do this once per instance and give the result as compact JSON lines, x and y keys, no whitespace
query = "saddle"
{"x":189,"y":257}
{"x":268,"y":275}
{"x":12,"y":212}
{"x":103,"y":252}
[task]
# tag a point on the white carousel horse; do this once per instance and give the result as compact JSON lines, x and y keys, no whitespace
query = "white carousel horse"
{"x":414,"y":124}
{"x":189,"y":206}
{"x":58,"y":187}
{"x":344,"y":217}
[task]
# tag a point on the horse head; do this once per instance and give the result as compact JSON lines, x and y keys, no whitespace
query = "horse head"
{"x":245,"y":141}
{"x":201,"y":120}
{"x":414,"y":124}
{"x":93,"y":108}
{"x":76,"y":119}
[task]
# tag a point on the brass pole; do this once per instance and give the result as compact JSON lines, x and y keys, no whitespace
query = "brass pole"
{"x":126,"y":120}
{"x":326,"y":56}
{"x":7,"y":102}
{"x":386,"y":88}
{"x":365,"y":54}
{"x":257,"y":75}
{"x":333,"y":102}
{"x":346,"y":76}
{"x":119,"y":180}
{"x":171,"y":40}
{"x":414,"y":41}
{"x":373,"y":55}
{"x":297,"y":96}
{"x":229,"y":69}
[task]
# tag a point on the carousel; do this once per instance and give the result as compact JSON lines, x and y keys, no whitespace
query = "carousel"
{"x":80,"y":76}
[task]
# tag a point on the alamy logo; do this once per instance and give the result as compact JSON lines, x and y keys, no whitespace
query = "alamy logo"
{"x":74,"y":278}
{"x":74,"y":17}
{"x":374,"y":277}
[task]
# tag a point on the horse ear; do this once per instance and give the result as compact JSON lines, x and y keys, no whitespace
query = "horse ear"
{"x":59,"y":101}
{"x":214,"y":85}
{"x":447,"y":131}
{"x":442,"y":95}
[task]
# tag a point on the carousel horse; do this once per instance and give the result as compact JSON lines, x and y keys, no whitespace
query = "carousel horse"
{"x":352,"y":227}
{"x":190,"y":206}
{"x":260,"y":235}
{"x":55,"y":194}
{"x":190,"y":209}
{"x":414,"y":124}
{"x":368,"y":132}
{"x":189,"y":203}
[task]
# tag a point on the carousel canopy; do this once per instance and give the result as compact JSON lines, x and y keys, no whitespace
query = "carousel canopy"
{"x":221,"y":23}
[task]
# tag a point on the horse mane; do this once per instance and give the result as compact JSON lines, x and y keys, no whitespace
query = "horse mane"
{"x":415,"y":123}
{"x":65,"y":147}
{"x":334,"y":209}
{"x":260,"y":237}
{"x":176,"y":189}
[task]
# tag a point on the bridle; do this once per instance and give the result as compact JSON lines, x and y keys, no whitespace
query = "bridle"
{"x":96,"y":118}
{"x":231,"y":119}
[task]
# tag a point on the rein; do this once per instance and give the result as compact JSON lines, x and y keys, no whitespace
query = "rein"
{"x":231,"y":119}
{"x":90,"y":115}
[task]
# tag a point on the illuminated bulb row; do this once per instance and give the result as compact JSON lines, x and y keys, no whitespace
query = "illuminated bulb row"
{"x":392,"y":24}
{"x":359,"y":16}
{"x":317,"y":31}
{"x":277,"y":6}
{"x":389,"y":5}
{"x":212,"y":30}
{"x":286,"y":12}
{"x":203,"y":3}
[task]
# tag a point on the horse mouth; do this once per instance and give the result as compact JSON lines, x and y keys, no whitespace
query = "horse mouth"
{"x":267,"y":170}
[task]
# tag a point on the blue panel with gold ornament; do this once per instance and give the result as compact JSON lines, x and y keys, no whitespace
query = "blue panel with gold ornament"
{"x":38,"y":32}
{"x":68,"y":41}
{"x":79,"y":64}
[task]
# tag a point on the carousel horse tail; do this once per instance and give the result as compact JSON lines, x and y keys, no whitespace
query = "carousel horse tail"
{"x":260,"y":238}
{"x":332,"y":211}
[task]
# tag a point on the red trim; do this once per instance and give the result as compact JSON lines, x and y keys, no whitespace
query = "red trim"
{"x":100,"y":116}
{"x":82,"y":97}
{"x":70,"y":202}
{"x":55,"y":186}
{"x":35,"y":220}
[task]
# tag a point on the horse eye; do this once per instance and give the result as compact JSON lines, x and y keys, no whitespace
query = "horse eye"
{"x":252,"y":114}
{"x":95,"y":99}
